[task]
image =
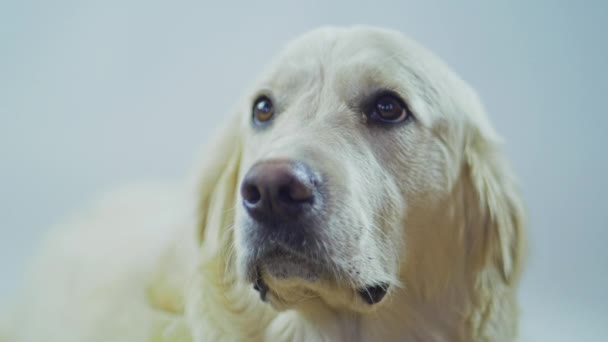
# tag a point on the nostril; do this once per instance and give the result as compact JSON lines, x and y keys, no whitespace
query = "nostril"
{"x":296,"y":192}
{"x":251,"y":194}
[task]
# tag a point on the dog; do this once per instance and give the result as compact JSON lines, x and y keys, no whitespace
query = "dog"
{"x":358,"y":193}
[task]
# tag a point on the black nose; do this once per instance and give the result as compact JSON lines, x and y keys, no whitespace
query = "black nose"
{"x":279,"y":190}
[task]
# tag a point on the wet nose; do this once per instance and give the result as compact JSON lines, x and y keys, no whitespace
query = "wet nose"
{"x":279,"y":190}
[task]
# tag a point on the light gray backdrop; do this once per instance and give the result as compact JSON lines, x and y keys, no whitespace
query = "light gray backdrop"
{"x":97,"y":94}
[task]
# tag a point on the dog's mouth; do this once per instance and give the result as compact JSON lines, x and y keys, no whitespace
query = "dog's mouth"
{"x":260,"y":285}
{"x":280,"y":262}
{"x":287,"y":274}
{"x":371,"y":295}
{"x":303,"y":274}
{"x":279,"y":288}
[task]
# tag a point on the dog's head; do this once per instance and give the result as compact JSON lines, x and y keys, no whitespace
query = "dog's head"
{"x":357,"y":166}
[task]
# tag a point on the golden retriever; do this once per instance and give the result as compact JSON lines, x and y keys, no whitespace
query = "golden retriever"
{"x":357,"y":194}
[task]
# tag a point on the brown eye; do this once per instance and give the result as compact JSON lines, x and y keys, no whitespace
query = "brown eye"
{"x":263,"y":110}
{"x":389,"y":109}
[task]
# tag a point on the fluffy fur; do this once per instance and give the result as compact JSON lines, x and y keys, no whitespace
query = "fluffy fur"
{"x":429,"y":207}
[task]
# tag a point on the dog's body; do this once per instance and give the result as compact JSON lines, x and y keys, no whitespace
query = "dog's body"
{"x":412,"y":228}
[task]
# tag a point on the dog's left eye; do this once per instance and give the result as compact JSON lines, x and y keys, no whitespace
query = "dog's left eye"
{"x":263,"y":110}
{"x":389,"y":108}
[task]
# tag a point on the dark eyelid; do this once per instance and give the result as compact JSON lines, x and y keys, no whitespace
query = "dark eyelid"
{"x":263,"y":92}
{"x":369,"y":101}
{"x":267,"y":94}
{"x":368,"y":98}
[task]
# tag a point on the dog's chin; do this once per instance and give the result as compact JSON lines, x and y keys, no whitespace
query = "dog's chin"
{"x":288,"y":267}
{"x":285,"y":293}
{"x":281,"y":265}
{"x":286,"y":281}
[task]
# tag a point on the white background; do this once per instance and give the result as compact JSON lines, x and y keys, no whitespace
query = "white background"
{"x":94,"y":95}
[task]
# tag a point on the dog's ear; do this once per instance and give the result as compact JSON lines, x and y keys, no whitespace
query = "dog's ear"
{"x":497,"y":216}
{"x":217,"y":187}
{"x":215,"y":291}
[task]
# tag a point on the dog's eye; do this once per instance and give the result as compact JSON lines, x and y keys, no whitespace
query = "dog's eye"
{"x":389,"y":108}
{"x":263,"y":110}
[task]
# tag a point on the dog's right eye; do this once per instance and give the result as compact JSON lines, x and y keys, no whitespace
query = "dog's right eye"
{"x":263,"y":110}
{"x":389,"y":108}
{"x":386,"y":108}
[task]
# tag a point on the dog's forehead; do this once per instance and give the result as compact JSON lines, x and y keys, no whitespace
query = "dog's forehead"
{"x":330,"y":48}
{"x":354,"y":59}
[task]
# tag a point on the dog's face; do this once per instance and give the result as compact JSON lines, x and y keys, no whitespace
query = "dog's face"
{"x":347,"y":132}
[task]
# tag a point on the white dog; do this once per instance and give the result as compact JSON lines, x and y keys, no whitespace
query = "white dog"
{"x":358,"y":194}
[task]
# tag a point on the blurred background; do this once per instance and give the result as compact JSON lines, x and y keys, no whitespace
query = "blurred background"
{"x":97,"y":94}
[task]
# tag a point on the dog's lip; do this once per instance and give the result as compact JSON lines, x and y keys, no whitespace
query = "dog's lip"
{"x":279,"y":263}
{"x":263,"y":278}
{"x":260,"y":285}
{"x":279,"y":251}
{"x":283,"y":250}
{"x":373,"y":294}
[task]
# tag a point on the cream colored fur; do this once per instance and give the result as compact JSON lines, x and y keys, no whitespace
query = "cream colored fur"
{"x":161,"y":263}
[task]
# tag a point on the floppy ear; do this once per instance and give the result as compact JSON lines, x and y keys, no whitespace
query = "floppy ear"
{"x":217,"y":185}
{"x":498,"y":234}
{"x":220,"y":305}
{"x":217,"y":188}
